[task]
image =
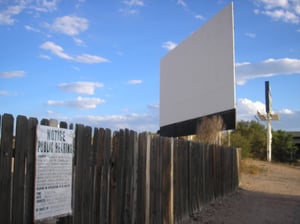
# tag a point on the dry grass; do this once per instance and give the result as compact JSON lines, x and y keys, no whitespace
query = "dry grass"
{"x":248,"y":167}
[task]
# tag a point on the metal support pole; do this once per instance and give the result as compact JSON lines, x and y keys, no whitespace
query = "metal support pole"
{"x":269,"y":138}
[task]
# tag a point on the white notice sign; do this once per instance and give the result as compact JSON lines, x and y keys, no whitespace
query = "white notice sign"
{"x":53,"y":176}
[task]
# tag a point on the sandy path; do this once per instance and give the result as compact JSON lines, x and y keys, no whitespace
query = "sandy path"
{"x":272,"y":196}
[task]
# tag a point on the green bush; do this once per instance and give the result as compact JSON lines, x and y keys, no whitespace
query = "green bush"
{"x":283,"y":148}
{"x":251,"y":137}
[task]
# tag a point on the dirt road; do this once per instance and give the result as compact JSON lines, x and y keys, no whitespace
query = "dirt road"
{"x":269,"y":193}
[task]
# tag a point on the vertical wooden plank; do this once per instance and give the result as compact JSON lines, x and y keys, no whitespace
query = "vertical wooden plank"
{"x":79,"y":148}
{"x":5,"y":167}
{"x":202,"y":180}
{"x":198,"y":173}
{"x":186,"y":177}
{"x":63,"y":124}
{"x":19,"y":170}
{"x":180,"y":180}
{"x":190,"y":185}
{"x":87,"y":176}
{"x":121,"y":172}
{"x":167,"y":174}
{"x":214,"y":172}
{"x":148,"y":173}
{"x":30,"y":166}
{"x":82,"y":203}
{"x":205,"y":173}
{"x":176,"y":182}
{"x":221,"y":171}
{"x":113,"y":179}
{"x":104,"y":197}
{"x":101,"y":145}
{"x":211,"y":173}
{"x":171,"y":208}
{"x":128,"y":176}
{"x":117,"y":178}
{"x":226,"y":174}
{"x":141,"y":178}
{"x":194,"y":162}
{"x":45,"y":122}
{"x":155,"y":181}
{"x":134,"y":140}
{"x":234,"y":170}
{"x":239,"y":160}
{"x":97,"y":151}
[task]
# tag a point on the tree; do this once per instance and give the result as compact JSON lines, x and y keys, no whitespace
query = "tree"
{"x":250,"y":136}
{"x":209,"y":128}
{"x":239,"y":141}
{"x":283,"y":148}
{"x":258,"y":140}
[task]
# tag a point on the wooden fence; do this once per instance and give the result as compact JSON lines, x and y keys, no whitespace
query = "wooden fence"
{"x":120,"y":177}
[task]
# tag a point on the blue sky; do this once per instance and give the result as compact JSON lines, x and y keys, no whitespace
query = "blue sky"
{"x":98,"y":63}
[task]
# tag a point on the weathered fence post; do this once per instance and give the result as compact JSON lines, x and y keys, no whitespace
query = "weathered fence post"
{"x":166,"y":146}
{"x":6,"y":153}
{"x":29,"y":181}
{"x":18,"y":194}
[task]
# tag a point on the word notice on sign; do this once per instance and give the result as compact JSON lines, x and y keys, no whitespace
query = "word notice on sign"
{"x":53,"y":179}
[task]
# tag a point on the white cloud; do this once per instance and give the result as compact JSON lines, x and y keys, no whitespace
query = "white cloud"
{"x":286,"y":111}
{"x":84,"y":58}
{"x":90,"y":59}
{"x":286,"y":16}
{"x":247,"y":109}
{"x":78,"y":41}
{"x":280,"y":10}
{"x":128,"y":11}
{"x":70,"y":25}
{"x":169,"y":45}
{"x":133,"y":3}
{"x":30,"y":28}
{"x":139,"y":122}
{"x":4,"y":93}
{"x":182,"y":3}
{"x":200,"y":17}
{"x":44,"y":5}
{"x":135,"y":82}
{"x":7,"y":93}
{"x":133,"y":121}
{"x":81,"y":87}
{"x":6,"y":16}
{"x":131,"y":7}
{"x":12,"y":74}
{"x":50,"y":5}
{"x":267,"y":68}
{"x":43,"y":56}
{"x":78,"y":103}
{"x":270,"y":4}
{"x":287,"y":121}
{"x":56,"y":50}
{"x":251,"y":35}
{"x":154,"y":109}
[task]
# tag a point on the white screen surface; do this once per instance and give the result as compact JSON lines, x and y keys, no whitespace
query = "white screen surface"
{"x":197,"y":77}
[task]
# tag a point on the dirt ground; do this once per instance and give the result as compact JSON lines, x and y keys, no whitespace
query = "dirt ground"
{"x":268,"y":193}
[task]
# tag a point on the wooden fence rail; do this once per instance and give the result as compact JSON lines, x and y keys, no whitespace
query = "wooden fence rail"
{"x":119,"y":177}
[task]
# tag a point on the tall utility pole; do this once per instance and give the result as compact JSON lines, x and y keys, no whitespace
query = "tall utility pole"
{"x":268,"y":117}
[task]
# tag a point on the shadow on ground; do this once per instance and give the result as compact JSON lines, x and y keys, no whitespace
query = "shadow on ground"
{"x":247,"y":207}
